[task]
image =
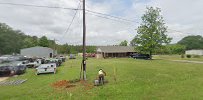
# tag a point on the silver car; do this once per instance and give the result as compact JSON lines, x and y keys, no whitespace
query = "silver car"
{"x":46,"y":68}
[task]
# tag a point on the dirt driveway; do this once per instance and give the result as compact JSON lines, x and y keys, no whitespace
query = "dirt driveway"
{"x":3,"y":78}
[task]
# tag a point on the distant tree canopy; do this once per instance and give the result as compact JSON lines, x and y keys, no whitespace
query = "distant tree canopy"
{"x":124,"y":43}
{"x":74,"y":49}
{"x":30,"y":41}
{"x":151,"y":33}
{"x":171,"y":49}
{"x":44,"y":42}
{"x":192,"y":42}
{"x":11,"y":41}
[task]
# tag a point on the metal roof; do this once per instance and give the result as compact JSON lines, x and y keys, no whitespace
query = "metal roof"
{"x":115,"y":49}
{"x":37,"y":47}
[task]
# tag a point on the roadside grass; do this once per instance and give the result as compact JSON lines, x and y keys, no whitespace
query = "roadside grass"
{"x":129,"y":79}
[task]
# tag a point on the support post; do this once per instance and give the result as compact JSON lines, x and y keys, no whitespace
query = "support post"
{"x":84,"y":43}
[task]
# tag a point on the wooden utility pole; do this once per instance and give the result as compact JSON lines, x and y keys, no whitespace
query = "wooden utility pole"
{"x":84,"y":44}
{"x":54,"y":54}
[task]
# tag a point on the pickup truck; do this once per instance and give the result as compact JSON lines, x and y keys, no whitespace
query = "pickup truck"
{"x":46,"y":68}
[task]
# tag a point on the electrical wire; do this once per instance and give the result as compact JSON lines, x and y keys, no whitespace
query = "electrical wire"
{"x":98,"y":14}
{"x":72,"y":19}
{"x":111,"y":16}
{"x":40,"y":6}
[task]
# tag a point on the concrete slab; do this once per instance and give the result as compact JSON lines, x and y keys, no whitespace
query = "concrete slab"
{"x":3,"y":78}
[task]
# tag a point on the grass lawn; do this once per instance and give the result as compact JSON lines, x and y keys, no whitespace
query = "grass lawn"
{"x":177,"y":57}
{"x":135,"y":80}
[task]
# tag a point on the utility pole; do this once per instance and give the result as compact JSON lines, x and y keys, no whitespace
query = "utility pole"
{"x":84,"y":44}
{"x":54,"y":54}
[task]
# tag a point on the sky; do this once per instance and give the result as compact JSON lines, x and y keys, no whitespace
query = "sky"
{"x":182,"y":17}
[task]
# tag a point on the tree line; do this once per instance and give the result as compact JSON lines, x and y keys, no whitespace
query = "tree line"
{"x":11,"y":41}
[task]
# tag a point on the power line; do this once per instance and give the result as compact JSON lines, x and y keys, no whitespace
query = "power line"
{"x":72,"y":19}
{"x":98,"y":13}
{"x":121,"y":21}
{"x":39,"y":6}
{"x":110,"y":16}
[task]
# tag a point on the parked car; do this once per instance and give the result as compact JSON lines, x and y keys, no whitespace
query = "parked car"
{"x":5,"y":71}
{"x":5,"y":57}
{"x":18,"y":70}
{"x":34,"y":63}
{"x":72,"y":56}
{"x":46,"y":68}
{"x":93,"y":55}
{"x":53,"y":60}
{"x":18,"y":67}
{"x":60,"y":61}
{"x":12,"y":58}
{"x":12,"y":68}
{"x":63,"y":58}
{"x":140,"y":56}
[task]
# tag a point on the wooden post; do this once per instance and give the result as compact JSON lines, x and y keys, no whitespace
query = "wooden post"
{"x":84,"y":43}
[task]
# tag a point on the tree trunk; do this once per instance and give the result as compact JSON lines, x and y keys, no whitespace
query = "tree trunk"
{"x":150,"y":54}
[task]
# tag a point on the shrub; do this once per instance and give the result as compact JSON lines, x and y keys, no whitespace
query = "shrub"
{"x":188,"y":56}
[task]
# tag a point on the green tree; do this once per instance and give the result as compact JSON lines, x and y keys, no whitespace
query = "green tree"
{"x":192,"y":42}
{"x":176,"y":49}
{"x":124,"y":43}
{"x":44,"y":42}
{"x":151,"y":33}
{"x":91,"y":49}
{"x":11,"y":41}
{"x":35,"y":40}
{"x":63,"y":49}
{"x":171,"y":49}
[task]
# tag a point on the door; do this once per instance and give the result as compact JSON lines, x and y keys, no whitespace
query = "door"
{"x":50,"y":55}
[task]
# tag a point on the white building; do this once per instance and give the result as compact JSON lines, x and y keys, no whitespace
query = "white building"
{"x":194,"y":52}
{"x":38,"y":52}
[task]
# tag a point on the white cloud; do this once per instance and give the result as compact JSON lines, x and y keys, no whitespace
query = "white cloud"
{"x":182,"y":15}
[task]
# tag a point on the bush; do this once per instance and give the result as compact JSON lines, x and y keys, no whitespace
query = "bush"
{"x":196,"y":56}
{"x":188,"y":56}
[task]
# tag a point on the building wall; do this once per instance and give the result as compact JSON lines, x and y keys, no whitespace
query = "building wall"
{"x":80,"y":54}
{"x":99,"y":56}
{"x":37,"y":52}
{"x":194,"y":52}
{"x":113,"y":55}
